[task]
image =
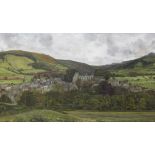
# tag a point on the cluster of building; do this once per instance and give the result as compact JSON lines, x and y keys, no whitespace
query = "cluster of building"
{"x":43,"y":84}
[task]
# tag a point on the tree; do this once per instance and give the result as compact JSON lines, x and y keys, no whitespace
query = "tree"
{"x":5,"y":99}
{"x":28,"y":98}
{"x":105,"y":88}
{"x":130,"y":103}
{"x":105,"y":74}
{"x":142,"y":104}
{"x":69,"y":75}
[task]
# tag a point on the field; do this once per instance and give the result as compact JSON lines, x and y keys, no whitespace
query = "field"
{"x":13,"y":67}
{"x":143,"y":81}
{"x":93,"y":116}
{"x":38,"y":115}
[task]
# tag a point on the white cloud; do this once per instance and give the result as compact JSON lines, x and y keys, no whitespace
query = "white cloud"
{"x":96,"y":49}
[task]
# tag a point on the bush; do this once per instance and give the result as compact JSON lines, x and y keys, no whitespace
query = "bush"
{"x":5,"y":99}
{"x":28,"y":98}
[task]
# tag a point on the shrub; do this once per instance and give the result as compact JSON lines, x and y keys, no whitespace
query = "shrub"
{"x":28,"y":98}
{"x":5,"y":99}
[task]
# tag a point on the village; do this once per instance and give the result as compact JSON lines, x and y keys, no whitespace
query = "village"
{"x":41,"y":83}
{"x":44,"y":83}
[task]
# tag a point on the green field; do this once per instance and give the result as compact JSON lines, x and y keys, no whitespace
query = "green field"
{"x":78,"y":116}
{"x":40,"y":116}
{"x":93,"y":116}
{"x":27,"y":78}
{"x":16,"y":65}
{"x":143,"y":81}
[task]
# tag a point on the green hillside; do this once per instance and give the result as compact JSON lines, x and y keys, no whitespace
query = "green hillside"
{"x":141,"y":66}
{"x":16,"y":65}
{"x":80,"y":67}
{"x":138,"y":72}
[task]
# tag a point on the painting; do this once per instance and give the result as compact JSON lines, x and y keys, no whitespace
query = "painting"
{"x":77,"y":77}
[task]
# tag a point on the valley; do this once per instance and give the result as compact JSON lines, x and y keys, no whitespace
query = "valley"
{"x":38,"y":87}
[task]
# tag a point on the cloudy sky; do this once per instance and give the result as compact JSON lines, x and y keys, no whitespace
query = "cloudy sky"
{"x":94,"y":49}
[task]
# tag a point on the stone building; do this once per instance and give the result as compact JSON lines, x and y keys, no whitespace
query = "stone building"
{"x":86,"y":77}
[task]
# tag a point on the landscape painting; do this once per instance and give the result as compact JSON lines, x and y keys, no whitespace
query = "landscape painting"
{"x":77,"y":77}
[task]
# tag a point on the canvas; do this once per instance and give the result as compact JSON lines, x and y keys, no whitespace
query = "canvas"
{"x":87,"y":77}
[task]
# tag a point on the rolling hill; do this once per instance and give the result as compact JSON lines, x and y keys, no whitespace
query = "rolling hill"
{"x":16,"y":65}
{"x":23,"y":62}
{"x":27,"y":62}
{"x":80,"y":67}
{"x":142,"y":66}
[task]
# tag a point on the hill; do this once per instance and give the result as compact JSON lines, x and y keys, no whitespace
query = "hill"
{"x":27,"y":62}
{"x":80,"y":67}
{"x":16,"y":64}
{"x":141,"y":66}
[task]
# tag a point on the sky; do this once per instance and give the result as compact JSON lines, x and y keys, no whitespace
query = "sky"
{"x":90,"y":48}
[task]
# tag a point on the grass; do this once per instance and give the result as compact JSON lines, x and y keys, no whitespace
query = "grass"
{"x":93,"y":116}
{"x":19,"y":79}
{"x":143,"y":81}
{"x":15,"y":66}
{"x":20,"y":64}
{"x":10,"y":81}
{"x":40,"y":116}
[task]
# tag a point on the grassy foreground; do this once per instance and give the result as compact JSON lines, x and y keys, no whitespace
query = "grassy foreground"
{"x":40,"y":116}
{"x":114,"y":116}
{"x":78,"y":116}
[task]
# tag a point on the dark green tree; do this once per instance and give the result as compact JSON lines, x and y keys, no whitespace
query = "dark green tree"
{"x":28,"y":98}
{"x":69,"y":75}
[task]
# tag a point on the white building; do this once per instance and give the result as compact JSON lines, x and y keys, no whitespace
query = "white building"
{"x":86,"y":77}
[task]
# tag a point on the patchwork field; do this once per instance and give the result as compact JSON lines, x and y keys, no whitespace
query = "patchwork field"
{"x":16,"y":65}
{"x":16,"y":79}
{"x":143,"y":81}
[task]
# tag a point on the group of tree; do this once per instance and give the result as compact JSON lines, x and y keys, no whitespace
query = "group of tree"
{"x":104,"y":97}
{"x":74,"y":100}
{"x":68,"y":77}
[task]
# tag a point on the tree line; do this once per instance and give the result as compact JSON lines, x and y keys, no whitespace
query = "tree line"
{"x":75,"y":100}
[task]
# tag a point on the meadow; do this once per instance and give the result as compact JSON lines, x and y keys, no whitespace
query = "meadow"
{"x":95,"y":116}
{"x":146,"y":81}
{"x":38,"y":115}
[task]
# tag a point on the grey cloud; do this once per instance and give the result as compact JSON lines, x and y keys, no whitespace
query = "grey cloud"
{"x":91,"y":48}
